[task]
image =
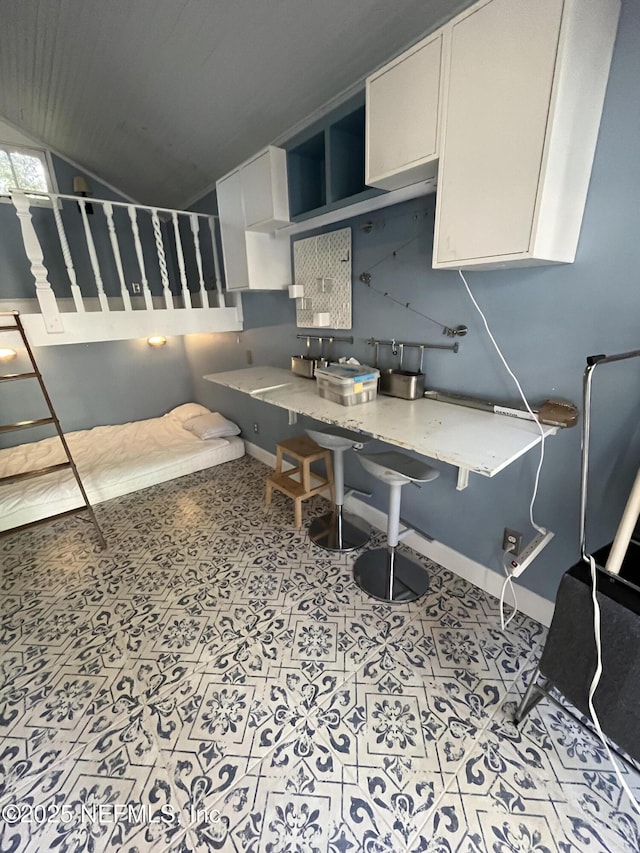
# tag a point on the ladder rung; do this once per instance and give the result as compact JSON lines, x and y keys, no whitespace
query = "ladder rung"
{"x":12,"y":376}
{"x":26,"y":424}
{"x":40,"y":472}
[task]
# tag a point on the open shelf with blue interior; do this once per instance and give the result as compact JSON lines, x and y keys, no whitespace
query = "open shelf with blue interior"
{"x":325,"y":163}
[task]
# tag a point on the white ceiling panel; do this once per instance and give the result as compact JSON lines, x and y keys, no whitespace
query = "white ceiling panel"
{"x":161,"y":97}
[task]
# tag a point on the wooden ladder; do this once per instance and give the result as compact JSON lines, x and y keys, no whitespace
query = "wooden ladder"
{"x":34,"y":373}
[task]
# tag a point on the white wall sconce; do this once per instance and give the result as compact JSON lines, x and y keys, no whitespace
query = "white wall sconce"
{"x":81,"y":187}
{"x":7,"y":354}
{"x":156,"y":341}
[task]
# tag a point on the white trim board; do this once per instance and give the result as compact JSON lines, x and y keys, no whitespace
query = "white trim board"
{"x":529,"y":602}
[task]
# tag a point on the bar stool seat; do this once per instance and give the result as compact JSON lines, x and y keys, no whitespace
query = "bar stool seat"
{"x":296,"y":483}
{"x":337,"y":531}
{"x":383,"y":573}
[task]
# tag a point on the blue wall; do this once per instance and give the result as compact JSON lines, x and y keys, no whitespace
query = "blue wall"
{"x":546,"y":320}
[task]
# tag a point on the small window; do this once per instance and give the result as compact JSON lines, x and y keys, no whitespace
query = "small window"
{"x":23,"y":168}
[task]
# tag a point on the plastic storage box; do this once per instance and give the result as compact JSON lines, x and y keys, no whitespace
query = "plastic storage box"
{"x":348,"y":384}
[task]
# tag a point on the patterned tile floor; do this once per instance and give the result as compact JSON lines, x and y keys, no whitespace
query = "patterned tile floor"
{"x":215,"y":682}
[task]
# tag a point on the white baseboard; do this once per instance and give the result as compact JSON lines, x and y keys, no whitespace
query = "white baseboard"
{"x":531,"y":603}
{"x":264,"y":456}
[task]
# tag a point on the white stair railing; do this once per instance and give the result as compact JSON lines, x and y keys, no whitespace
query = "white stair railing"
{"x":133,"y":216}
{"x":195,"y":230}
{"x":66,"y":254}
{"x":115,"y":246}
{"x":44,"y":293}
{"x":161,"y":249}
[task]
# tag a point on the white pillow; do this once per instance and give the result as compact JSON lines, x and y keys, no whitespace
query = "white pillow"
{"x":188,"y":410}
{"x":211,"y":425}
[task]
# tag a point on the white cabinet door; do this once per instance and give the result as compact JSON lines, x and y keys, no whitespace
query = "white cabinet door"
{"x":524,"y":98}
{"x":232,"y":231}
{"x":265,"y":191}
{"x":502,"y":63}
{"x":252,"y":261}
{"x":403,"y":100}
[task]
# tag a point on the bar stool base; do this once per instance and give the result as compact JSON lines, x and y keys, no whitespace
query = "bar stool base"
{"x":323,"y":531}
{"x":371,"y":573}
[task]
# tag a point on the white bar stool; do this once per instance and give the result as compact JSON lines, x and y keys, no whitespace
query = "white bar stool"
{"x":336,"y":531}
{"x":382,"y":573}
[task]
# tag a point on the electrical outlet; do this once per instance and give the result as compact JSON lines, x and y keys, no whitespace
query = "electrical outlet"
{"x":530,"y":552}
{"x":135,"y":286}
{"x":512,"y":541}
{"x":256,"y":428}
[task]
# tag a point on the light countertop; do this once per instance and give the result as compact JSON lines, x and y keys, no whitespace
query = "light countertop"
{"x":471,"y":440}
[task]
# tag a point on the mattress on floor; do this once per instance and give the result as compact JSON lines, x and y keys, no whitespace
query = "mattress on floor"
{"x":112,"y":461}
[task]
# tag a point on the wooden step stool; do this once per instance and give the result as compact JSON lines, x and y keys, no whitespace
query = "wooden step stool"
{"x":304,"y":451}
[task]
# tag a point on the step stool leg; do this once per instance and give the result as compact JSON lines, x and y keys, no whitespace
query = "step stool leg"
{"x":267,"y":496}
{"x":305,"y":476}
{"x":298,"y":512}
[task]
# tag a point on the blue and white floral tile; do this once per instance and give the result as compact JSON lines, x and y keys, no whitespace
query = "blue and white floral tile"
{"x":399,"y":738}
{"x":62,"y":703}
{"x":19,"y":613}
{"x":445,"y":646}
{"x":56,"y":723}
{"x":178,"y":633}
{"x":22,"y":672}
{"x":90,"y":717}
{"x":307,"y":586}
{"x":500,"y":823}
{"x":275,"y":546}
{"x":568,"y":762}
{"x":23,"y":760}
{"x":139,"y":715}
{"x":206,"y":587}
{"x":240,"y":625}
{"x":295,"y":799}
{"x":88,"y":807}
{"x":302,"y":651}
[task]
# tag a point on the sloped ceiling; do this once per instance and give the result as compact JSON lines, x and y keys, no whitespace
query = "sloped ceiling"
{"x":162,"y":97}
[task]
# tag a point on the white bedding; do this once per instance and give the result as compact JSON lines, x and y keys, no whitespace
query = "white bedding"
{"x":112,"y":461}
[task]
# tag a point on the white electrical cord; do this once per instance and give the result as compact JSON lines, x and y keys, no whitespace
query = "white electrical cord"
{"x":596,"y":681}
{"x":522,"y":395}
{"x":508,"y":581}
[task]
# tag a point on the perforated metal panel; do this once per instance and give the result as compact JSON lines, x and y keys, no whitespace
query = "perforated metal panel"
{"x":322,"y":265}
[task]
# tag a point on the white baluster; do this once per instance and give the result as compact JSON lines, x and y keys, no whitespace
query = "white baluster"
{"x":216,"y":262}
{"x":186,"y":296}
{"x":195,"y":227}
{"x":133,"y":216}
{"x":108,"y":212}
{"x":44,"y":293}
{"x":95,"y":266}
{"x":68,"y":261}
{"x":162,"y":261}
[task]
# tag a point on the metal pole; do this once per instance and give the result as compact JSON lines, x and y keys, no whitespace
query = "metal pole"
{"x":593,"y":361}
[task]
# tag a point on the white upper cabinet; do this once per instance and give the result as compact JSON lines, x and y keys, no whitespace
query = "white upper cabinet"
{"x":231,"y":214}
{"x":403,"y":105}
{"x":252,"y":260}
{"x":526,"y":86}
{"x":264,"y":190}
